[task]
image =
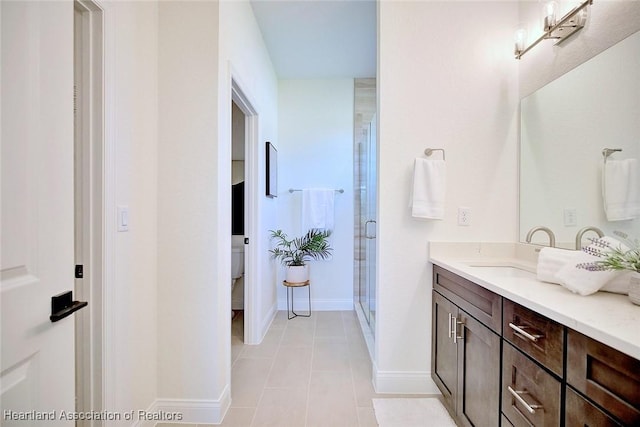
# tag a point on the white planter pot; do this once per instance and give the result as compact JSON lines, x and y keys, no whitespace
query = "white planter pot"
{"x":297,"y":273}
{"x":634,"y":288}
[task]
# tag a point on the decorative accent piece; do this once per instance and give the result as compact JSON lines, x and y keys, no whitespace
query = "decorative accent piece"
{"x":297,"y":273}
{"x":272,"y":171}
{"x":554,"y":29}
{"x":623,"y":257}
{"x":634,"y":288}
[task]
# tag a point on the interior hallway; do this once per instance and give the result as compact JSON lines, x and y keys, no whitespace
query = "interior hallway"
{"x":307,"y":372}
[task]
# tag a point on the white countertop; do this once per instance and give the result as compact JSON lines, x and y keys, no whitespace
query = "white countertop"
{"x":609,"y":318}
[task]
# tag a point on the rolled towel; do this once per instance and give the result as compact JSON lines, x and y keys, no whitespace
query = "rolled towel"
{"x":551,"y":260}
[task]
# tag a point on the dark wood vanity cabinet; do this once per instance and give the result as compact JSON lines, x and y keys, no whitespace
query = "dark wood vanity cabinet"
{"x":540,"y":338}
{"x":498,"y":363}
{"x":530,"y":394}
{"x":579,"y":412}
{"x":609,"y":378}
{"x":466,"y":352}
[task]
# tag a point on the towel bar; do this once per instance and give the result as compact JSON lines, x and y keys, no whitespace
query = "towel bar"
{"x":291,"y":190}
{"x":606,"y":152}
{"x":429,"y":151}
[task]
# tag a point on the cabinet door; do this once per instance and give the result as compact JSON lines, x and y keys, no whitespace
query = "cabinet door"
{"x":478,"y":399}
{"x":444,"y":369}
{"x":530,"y":395}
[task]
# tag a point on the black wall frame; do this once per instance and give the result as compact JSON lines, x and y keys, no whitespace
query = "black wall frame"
{"x":272,"y":171}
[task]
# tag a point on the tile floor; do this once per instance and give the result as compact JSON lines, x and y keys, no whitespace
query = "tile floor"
{"x":307,"y":372}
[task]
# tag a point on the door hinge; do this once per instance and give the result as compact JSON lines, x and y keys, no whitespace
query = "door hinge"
{"x":79,"y":271}
{"x":246,"y":240}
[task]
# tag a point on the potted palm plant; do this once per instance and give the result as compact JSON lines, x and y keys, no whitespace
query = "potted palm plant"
{"x":293,"y":253}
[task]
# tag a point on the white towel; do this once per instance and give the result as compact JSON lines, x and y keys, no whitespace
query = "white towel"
{"x":620,"y":189}
{"x":581,"y":281}
{"x":552,"y":260}
{"x":317,"y":209}
{"x":428,"y":192}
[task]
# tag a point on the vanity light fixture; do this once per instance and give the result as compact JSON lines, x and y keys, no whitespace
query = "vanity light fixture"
{"x":550,"y":11}
{"x":558,"y":30}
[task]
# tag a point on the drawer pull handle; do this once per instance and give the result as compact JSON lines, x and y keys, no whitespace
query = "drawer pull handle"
{"x":520,"y":330}
{"x":450,"y":328}
{"x":517,"y":394}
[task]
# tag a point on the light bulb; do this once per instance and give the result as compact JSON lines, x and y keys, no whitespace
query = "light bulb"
{"x":550,"y":11}
{"x":520,"y":40}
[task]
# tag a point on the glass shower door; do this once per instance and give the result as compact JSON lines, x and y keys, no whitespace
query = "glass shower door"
{"x":368,"y":215}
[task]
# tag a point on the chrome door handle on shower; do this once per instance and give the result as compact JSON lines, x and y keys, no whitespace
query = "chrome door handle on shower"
{"x":366,"y":229}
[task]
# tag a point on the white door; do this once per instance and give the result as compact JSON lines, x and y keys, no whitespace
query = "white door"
{"x":36,"y":262}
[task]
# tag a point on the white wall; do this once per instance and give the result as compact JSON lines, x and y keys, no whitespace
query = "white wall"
{"x":190,"y":289}
{"x":132,"y":122}
{"x":201,"y":46}
{"x":448,"y":88}
{"x":243,"y":57}
{"x":315,"y":149}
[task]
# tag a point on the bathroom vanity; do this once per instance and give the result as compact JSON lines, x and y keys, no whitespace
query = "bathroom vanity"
{"x":510,"y":350}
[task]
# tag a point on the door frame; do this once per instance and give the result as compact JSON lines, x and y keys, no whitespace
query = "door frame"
{"x":100,"y":392}
{"x":89,"y":122}
{"x":251,"y":290}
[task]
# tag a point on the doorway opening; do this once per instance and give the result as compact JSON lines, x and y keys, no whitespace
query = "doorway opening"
{"x":238,"y":220}
{"x":88,"y":109}
{"x":251,"y":293}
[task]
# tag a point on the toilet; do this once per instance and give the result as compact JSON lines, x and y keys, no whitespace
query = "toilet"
{"x":237,"y":264}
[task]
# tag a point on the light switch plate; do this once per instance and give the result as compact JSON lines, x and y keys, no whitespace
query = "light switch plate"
{"x":123,"y":218}
{"x":570,"y":217}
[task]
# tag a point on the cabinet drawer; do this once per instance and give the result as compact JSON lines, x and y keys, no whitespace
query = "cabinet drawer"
{"x":504,"y":421}
{"x":539,"y":337}
{"x":530,"y":395}
{"x":608,"y":377}
{"x":580,"y":413}
{"x":479,"y":302}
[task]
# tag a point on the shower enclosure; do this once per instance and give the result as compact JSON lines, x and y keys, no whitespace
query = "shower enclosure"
{"x":366,"y":197}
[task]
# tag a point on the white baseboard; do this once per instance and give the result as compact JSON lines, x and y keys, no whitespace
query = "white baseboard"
{"x":403,"y":382}
{"x":185,"y":411}
{"x":301,"y":304}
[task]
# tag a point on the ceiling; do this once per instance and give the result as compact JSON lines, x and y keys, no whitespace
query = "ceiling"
{"x":310,"y":39}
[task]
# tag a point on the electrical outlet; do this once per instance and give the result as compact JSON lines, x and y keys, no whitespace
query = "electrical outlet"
{"x":464,"y":216}
{"x":570,"y":217}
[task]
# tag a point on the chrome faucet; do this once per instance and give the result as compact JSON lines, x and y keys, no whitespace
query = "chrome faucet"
{"x":583,"y":231}
{"x":552,"y":237}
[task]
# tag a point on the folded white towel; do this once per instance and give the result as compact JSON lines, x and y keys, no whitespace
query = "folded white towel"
{"x":317,"y":209}
{"x":428,"y":192}
{"x":551,"y":261}
{"x":581,"y":281}
{"x":620,"y":189}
